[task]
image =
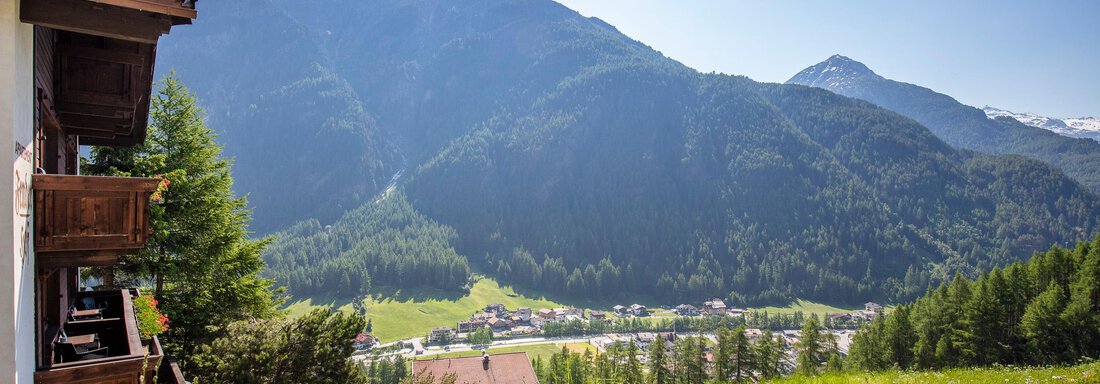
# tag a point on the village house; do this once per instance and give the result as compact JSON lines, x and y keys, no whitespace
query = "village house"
{"x":364,"y":341}
{"x":870,"y":311}
{"x":686,"y":310}
{"x":754,"y":334}
{"x":620,"y":310}
{"x":470,"y":325}
{"x":441,"y":334}
{"x":495,"y":308}
{"x":736,"y":312}
{"x":638,"y":310}
{"x":840,"y":316}
{"x":524,"y":313}
{"x":507,"y":368}
{"x":715,"y":307}
{"x":547,"y":314}
{"x":601,"y":315}
{"x":498,"y":324}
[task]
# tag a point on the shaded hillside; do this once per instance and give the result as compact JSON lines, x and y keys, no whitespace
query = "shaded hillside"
{"x":304,"y":146}
{"x":958,"y":124}
{"x":570,"y":158}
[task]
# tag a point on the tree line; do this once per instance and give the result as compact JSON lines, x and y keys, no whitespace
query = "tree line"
{"x":1042,"y":311}
{"x":381,"y":244}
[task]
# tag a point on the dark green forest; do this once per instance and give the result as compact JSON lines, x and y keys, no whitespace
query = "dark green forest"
{"x":384,"y":244}
{"x":1039,"y":312}
{"x":553,"y":152}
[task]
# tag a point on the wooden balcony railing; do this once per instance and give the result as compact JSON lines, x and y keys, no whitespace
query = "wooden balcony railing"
{"x":125,"y":356}
{"x":83,"y":221}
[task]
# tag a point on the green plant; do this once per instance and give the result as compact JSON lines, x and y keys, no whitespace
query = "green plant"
{"x":150,"y":321}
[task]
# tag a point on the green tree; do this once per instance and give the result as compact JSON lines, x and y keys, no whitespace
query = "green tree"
{"x":204,"y":267}
{"x":768,"y":353}
{"x":632,"y":372}
{"x":1082,"y":314}
{"x":812,"y":349}
{"x":311,"y":349}
{"x":690,"y":361}
{"x":1043,"y":327}
{"x":482,"y":335}
{"x":658,"y":363}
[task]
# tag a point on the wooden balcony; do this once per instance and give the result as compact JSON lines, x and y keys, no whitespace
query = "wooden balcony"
{"x":83,"y":221}
{"x":117,"y":355}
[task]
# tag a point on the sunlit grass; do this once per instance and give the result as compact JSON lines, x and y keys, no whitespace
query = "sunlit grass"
{"x":1085,"y":373}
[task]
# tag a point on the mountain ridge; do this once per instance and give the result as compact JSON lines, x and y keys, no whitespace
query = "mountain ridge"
{"x":964,"y":126}
{"x":569,"y":158}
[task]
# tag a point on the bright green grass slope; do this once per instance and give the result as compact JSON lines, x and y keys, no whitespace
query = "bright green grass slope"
{"x":411,"y":314}
{"x":1085,"y":373}
{"x":807,"y":308}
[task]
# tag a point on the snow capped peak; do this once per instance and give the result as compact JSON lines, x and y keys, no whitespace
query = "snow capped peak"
{"x":1086,"y":127}
{"x":834,"y":73}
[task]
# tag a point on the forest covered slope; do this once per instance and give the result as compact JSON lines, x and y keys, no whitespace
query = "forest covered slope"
{"x":558,"y":154}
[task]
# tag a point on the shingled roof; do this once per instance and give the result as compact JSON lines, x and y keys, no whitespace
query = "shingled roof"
{"x":507,"y":368}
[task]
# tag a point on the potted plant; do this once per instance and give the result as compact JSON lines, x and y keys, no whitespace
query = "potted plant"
{"x":150,"y":321}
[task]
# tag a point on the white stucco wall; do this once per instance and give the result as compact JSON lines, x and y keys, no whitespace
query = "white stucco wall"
{"x":17,"y":359}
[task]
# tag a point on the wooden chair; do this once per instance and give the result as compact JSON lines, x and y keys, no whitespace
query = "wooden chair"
{"x":70,"y":352}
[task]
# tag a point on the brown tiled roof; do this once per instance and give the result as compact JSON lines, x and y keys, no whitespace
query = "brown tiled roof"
{"x":508,"y":368}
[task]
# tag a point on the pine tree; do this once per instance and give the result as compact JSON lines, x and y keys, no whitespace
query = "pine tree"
{"x":204,"y":267}
{"x":811,"y":349}
{"x":723,"y":355}
{"x":1082,"y":314}
{"x":632,"y":373}
{"x":1043,"y":326}
{"x":768,"y":353}
{"x":744,"y":362}
{"x":689,"y":361}
{"x":658,"y":363}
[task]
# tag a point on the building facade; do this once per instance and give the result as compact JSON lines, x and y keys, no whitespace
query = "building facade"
{"x":74,"y":72}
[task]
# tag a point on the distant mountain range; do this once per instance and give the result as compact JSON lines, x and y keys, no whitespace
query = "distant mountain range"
{"x":960,"y":125}
{"x":1079,"y":127}
{"x":552,"y":151}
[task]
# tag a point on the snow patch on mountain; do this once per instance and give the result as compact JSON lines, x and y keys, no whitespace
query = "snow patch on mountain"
{"x":1080,"y":127}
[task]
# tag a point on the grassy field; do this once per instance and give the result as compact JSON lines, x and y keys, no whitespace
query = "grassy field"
{"x":543,"y":350}
{"x":402,"y":315}
{"x":1086,"y":373}
{"x":807,"y":307}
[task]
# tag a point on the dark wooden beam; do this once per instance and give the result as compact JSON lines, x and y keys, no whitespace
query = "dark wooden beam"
{"x":166,"y":7}
{"x":92,"y":18}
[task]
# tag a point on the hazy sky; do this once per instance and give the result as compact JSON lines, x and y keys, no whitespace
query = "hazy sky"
{"x":1027,"y":56}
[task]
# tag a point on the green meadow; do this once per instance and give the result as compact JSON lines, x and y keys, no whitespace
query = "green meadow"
{"x":1085,"y":373}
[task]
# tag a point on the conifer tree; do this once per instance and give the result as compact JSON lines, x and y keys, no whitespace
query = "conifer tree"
{"x":768,"y":353}
{"x":1043,"y":327}
{"x":204,"y":267}
{"x":811,"y":349}
{"x":658,"y":363}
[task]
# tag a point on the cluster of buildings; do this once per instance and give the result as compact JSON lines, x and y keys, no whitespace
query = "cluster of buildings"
{"x":713,"y":307}
{"x":636,"y":310}
{"x":523,"y":320}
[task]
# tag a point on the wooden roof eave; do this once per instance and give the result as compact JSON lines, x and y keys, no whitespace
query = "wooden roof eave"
{"x":142,"y":21}
{"x":165,"y":7}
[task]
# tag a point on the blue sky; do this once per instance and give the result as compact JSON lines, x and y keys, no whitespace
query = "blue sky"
{"x":1026,"y":56}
